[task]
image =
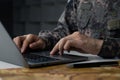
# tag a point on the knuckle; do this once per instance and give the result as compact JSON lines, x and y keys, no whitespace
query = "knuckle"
{"x":63,"y":39}
{"x":66,"y":48}
{"x":76,"y":33}
{"x":29,"y":35}
{"x":16,"y":38}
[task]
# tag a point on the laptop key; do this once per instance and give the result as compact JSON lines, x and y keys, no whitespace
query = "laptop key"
{"x":37,"y":58}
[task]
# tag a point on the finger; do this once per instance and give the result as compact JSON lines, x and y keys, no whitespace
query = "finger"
{"x":71,"y":45}
{"x":37,"y":45}
{"x":68,"y":45}
{"x":29,"y":39}
{"x":25,"y":45}
{"x":55,"y":49}
{"x":61,"y":45}
{"x":18,"y":41}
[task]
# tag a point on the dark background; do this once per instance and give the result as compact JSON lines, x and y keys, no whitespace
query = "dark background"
{"x":6,"y":16}
{"x":30,"y":16}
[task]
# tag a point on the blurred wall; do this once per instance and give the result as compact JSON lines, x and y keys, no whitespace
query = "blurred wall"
{"x":6,"y":14}
{"x":31,"y":16}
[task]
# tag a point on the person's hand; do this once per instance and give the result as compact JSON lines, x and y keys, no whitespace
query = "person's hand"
{"x":29,"y":41}
{"x":78,"y":42}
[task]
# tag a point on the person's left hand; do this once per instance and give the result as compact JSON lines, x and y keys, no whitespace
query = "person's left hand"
{"x":78,"y":42}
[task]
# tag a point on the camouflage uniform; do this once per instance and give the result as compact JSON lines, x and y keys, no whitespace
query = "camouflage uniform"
{"x":98,"y":19}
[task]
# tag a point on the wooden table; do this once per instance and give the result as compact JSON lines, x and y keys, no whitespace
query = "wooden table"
{"x":61,"y":72}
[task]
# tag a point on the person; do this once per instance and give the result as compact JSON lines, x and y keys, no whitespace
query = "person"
{"x":88,"y":26}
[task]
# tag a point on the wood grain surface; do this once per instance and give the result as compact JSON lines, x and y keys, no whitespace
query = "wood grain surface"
{"x":61,"y":72}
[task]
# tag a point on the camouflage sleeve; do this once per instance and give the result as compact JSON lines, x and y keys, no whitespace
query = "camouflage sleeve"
{"x":110,"y":48}
{"x":111,"y":45}
{"x":52,"y":37}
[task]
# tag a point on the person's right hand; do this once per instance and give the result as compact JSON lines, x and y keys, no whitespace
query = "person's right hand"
{"x":29,"y":41}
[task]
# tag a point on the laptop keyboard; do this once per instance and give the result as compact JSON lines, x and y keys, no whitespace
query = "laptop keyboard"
{"x":37,"y":58}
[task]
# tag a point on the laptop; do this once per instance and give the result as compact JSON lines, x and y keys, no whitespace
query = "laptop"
{"x":32,"y":59}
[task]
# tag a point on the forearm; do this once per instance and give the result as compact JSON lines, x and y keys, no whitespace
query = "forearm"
{"x":52,"y":37}
{"x":62,"y":30}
